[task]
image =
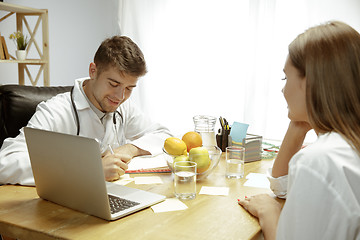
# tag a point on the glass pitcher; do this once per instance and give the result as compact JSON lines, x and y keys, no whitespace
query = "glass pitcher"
{"x":205,"y":126}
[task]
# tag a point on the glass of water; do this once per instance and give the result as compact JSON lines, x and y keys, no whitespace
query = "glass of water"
{"x":185,"y":180}
{"x":235,"y":157}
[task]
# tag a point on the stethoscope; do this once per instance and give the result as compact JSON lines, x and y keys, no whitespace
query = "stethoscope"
{"x":78,"y":122}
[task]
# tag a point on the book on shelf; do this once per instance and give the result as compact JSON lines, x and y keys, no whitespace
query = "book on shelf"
{"x":5,"y":49}
{"x":2,"y":54}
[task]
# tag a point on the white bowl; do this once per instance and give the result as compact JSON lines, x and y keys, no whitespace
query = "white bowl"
{"x":214,"y":154}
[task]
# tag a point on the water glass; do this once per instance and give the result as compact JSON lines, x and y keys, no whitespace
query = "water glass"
{"x":235,"y":157}
{"x":185,"y":180}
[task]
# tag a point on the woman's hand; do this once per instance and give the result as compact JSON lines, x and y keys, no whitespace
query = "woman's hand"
{"x":300,"y":128}
{"x":266,"y":209}
{"x":261,"y":204}
{"x":291,"y":144}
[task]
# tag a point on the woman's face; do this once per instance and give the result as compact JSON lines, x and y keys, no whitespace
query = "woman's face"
{"x":295,"y":93}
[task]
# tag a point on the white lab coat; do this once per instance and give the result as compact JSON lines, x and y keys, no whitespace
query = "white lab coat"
{"x":57,"y":115}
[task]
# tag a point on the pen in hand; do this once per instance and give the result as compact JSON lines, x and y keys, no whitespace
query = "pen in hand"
{"x":110,"y":148}
{"x":112,"y":152}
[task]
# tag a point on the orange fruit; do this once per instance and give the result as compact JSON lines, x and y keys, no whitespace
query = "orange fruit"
{"x":192,"y":140}
{"x":175,"y":146}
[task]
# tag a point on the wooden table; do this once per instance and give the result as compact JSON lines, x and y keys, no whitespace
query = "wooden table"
{"x":24,"y":215}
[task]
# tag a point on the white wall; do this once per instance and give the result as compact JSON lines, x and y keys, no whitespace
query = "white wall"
{"x":76,"y":29}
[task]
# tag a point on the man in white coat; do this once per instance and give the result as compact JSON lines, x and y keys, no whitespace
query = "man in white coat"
{"x":97,"y":108}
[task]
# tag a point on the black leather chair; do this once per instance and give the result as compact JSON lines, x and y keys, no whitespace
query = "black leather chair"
{"x":18,"y":103}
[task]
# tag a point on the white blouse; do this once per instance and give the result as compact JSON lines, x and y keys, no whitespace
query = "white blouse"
{"x":323,"y":193}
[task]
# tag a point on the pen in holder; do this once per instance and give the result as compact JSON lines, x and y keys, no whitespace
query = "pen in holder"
{"x":252,"y":144}
{"x":222,"y":138}
{"x":223,"y":134}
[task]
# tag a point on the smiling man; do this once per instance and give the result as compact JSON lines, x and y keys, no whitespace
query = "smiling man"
{"x":97,"y":107}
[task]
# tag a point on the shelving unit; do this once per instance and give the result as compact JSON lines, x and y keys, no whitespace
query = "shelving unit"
{"x":21,"y":14}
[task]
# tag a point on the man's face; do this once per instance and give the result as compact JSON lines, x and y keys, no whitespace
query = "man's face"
{"x":109,"y":89}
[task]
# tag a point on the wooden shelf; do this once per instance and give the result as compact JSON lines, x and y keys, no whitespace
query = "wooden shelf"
{"x":26,"y":61}
{"x":20,"y":9}
{"x":21,"y":13}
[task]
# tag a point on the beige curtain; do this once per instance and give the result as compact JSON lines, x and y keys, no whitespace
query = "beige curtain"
{"x":221,"y":58}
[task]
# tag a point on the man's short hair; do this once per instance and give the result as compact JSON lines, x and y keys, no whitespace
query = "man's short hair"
{"x":121,"y":53}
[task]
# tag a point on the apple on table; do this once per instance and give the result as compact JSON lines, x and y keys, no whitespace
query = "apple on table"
{"x":200,"y":156}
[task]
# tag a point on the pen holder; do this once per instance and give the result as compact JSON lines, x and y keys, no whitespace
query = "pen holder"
{"x":252,"y":144}
{"x":222,"y":139}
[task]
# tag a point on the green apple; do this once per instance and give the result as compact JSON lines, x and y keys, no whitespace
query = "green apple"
{"x":180,"y":158}
{"x":200,"y":155}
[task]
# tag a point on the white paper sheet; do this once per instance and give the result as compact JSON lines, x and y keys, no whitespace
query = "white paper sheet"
{"x":124,"y":179}
{"x":170,"y":204}
{"x":258,"y":180}
{"x":224,"y":191}
{"x":148,"y":180}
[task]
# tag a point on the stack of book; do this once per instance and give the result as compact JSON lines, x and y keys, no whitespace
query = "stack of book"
{"x":252,"y":144}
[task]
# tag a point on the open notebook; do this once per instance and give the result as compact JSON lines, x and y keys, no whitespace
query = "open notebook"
{"x":149,"y":164}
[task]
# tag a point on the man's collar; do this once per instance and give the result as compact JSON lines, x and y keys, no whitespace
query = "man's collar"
{"x":78,"y":95}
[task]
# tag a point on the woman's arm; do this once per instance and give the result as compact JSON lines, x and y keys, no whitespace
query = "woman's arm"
{"x":292,"y":142}
{"x":267,"y":210}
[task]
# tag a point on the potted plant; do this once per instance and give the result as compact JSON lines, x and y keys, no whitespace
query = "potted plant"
{"x":21,"y":43}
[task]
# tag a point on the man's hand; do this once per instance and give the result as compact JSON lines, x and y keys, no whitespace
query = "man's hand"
{"x":115,"y":165}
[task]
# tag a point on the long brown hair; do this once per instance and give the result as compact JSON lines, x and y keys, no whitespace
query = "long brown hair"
{"x":328,"y":56}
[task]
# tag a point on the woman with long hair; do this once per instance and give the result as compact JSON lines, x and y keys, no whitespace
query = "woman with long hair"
{"x":321,"y":181}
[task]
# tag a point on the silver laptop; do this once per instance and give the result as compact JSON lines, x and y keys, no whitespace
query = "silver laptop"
{"x":68,"y":171}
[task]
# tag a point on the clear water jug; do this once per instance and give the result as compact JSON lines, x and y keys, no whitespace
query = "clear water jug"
{"x":205,"y":125}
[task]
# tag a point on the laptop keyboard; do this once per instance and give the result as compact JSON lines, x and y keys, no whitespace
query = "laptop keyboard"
{"x":119,"y":204}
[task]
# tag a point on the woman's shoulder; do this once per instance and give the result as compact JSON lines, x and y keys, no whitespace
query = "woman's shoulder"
{"x":327,"y":146}
{"x":328,"y":157}
{"x":331,"y":165}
